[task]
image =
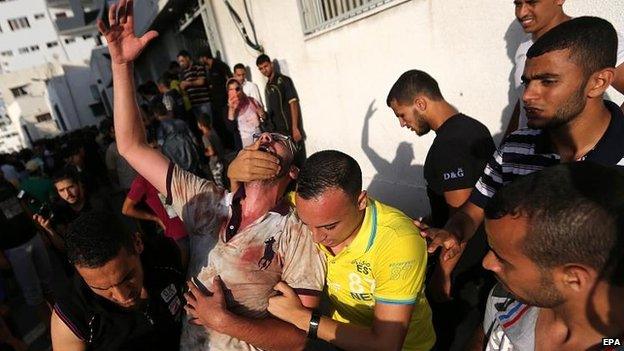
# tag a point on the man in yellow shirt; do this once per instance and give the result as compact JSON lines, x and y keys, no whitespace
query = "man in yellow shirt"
{"x":376,"y":261}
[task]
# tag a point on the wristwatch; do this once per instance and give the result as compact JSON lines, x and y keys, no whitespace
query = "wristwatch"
{"x":314,"y":323}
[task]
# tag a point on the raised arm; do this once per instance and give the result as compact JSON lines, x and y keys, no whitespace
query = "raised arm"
{"x":125,"y":47}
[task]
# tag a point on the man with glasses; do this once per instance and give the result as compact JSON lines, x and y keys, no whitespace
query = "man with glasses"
{"x":246,"y":241}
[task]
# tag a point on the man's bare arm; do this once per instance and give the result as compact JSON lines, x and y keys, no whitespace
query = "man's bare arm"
{"x":62,"y":337}
{"x":465,"y":221}
{"x":388,"y":331}
{"x":211,"y":312}
{"x":294,"y":116}
{"x":262,"y":333}
{"x":124,"y":48}
{"x":477,"y":342}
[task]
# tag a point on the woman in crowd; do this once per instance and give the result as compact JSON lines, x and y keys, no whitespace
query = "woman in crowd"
{"x":245,"y":110}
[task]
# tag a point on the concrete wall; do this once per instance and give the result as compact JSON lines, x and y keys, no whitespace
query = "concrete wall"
{"x":344,"y":74}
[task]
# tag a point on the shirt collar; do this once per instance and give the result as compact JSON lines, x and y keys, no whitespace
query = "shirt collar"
{"x":609,"y":148}
{"x":518,"y":321}
{"x":365,"y":237}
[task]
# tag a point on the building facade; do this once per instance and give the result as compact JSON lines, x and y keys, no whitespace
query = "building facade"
{"x":42,"y":46}
{"x":343,"y":57}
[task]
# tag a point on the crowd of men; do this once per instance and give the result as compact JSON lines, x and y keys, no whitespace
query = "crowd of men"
{"x":242,"y":242}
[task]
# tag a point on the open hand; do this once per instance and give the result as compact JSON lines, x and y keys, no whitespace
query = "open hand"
{"x":124,"y":46}
{"x":252,"y":164}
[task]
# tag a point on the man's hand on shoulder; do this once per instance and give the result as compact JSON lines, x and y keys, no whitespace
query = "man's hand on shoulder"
{"x":124,"y":46}
{"x":450,"y":244}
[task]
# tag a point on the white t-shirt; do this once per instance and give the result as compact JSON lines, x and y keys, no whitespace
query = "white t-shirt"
{"x":520,"y":60}
{"x":251,"y":89}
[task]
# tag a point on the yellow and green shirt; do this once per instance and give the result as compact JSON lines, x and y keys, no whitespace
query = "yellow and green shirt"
{"x":385,"y":263}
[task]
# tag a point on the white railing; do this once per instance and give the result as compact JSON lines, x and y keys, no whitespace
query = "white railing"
{"x":317,"y":15}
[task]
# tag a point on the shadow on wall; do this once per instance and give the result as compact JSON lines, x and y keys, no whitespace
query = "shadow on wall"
{"x":397,"y":183}
{"x":513,"y":37}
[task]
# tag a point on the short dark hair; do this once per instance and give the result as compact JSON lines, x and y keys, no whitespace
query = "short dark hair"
{"x":148,"y":88}
{"x":205,"y":120}
{"x":575,"y":213}
{"x":205,"y":52}
{"x":66,"y":173}
{"x":166,"y":79}
{"x":412,"y":83}
{"x":183,"y":53}
{"x":159,"y":109}
{"x":329,"y":169}
{"x":232,"y":81}
{"x":262,"y":59}
{"x":96,"y":237}
{"x":239,"y":66}
{"x":592,"y":42}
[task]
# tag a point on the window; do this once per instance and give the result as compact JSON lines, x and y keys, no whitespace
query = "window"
{"x":317,"y":15}
{"x":19,"y":91}
{"x":39,"y":16}
{"x":23,"y":50}
{"x":60,"y":15}
{"x":7,"y":53}
{"x":44,"y":117}
{"x":97,"y":109}
{"x":18,"y":23}
{"x":87,"y":36}
{"x":52,"y":44}
{"x":34,"y":48}
{"x":70,"y":40}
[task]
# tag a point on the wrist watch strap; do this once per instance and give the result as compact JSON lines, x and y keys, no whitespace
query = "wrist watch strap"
{"x":314,"y":323}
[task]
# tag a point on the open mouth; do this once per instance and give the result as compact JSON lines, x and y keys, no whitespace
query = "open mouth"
{"x":525,"y":22}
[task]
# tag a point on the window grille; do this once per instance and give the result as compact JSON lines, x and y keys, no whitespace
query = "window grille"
{"x":317,"y":15}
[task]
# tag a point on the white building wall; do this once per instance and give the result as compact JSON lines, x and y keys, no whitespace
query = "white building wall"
{"x":41,"y":32}
{"x":344,"y":74}
{"x":72,"y":94}
{"x":23,"y":109}
{"x":10,"y":137}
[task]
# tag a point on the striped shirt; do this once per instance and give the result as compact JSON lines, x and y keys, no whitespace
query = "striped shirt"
{"x":508,"y":324}
{"x":528,"y":150}
{"x":200,"y":94}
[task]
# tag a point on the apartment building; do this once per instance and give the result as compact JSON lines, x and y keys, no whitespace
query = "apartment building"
{"x":39,"y":40}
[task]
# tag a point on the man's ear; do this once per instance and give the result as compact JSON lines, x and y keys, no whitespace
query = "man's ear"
{"x":420,"y":103}
{"x":575,"y":277}
{"x":362,"y":200}
{"x":138,"y":243}
{"x":599,"y":82}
